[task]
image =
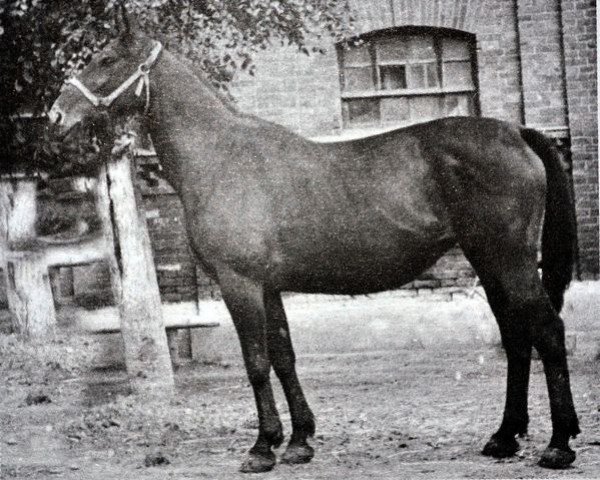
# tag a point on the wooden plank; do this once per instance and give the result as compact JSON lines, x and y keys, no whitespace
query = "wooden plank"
{"x":171,"y":325}
{"x":82,"y":252}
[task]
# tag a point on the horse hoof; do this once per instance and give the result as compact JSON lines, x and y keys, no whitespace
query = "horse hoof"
{"x":256,"y":463}
{"x":556,"y":458}
{"x":500,"y":448}
{"x":296,"y":454}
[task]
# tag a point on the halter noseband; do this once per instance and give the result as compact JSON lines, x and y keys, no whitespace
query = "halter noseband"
{"x":141,"y":74}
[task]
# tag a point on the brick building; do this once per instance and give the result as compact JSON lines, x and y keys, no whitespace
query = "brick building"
{"x":527,"y":61}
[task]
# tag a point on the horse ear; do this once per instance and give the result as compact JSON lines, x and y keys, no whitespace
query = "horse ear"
{"x":126,"y":24}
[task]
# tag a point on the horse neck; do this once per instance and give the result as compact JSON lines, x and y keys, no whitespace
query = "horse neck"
{"x":182,"y":110}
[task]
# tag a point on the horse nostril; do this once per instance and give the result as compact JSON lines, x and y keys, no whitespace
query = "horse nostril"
{"x":56,"y":116}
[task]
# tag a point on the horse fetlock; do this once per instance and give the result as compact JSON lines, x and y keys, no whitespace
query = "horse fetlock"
{"x":273,"y":434}
{"x":572,"y":429}
{"x":306,"y":426}
{"x":512,"y":426}
{"x":301,"y":433}
{"x":565,"y":426}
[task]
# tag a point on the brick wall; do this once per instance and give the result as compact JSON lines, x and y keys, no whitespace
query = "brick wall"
{"x":580,"y":51}
{"x":175,"y":265}
{"x":542,"y":62}
{"x":293,"y":89}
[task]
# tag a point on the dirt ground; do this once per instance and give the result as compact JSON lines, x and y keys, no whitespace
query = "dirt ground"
{"x":420,"y":412}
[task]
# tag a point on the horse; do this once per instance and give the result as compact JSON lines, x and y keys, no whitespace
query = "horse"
{"x":268,"y":211}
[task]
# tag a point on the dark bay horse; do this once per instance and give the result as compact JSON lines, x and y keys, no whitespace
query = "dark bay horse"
{"x":268,"y":211}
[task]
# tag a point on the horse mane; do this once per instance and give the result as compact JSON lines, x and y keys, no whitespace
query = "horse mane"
{"x":225,"y":100}
{"x":200,"y":74}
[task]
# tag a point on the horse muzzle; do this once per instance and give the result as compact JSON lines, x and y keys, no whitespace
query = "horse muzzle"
{"x":59,"y":122}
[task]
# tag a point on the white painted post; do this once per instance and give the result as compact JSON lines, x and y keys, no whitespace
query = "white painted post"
{"x":27,"y":281}
{"x":133,"y":278}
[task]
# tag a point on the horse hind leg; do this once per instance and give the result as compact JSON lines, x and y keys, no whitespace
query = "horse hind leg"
{"x":283,"y":359}
{"x":526,"y":317}
{"x":548,"y":335}
{"x":517,"y":343}
{"x":244,"y":300}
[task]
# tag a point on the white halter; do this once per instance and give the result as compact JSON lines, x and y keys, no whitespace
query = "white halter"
{"x":141,"y":74}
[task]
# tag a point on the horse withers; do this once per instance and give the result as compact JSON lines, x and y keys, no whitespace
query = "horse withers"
{"x":268,"y":211}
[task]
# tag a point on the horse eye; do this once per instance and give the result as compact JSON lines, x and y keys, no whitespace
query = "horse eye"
{"x":106,"y":61}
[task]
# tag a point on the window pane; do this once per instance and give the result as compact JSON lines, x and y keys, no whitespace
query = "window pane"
{"x":416,"y":77}
{"x":421,"y":48}
{"x":457,"y":74}
{"x":425,"y":108}
{"x":423,"y":75}
{"x":361,"y":112}
{"x":392,"y":50}
{"x":395,"y":110}
{"x":358,"y":79}
{"x":392,"y":77}
{"x":432,"y":74}
{"x":458,"y":105}
{"x":357,"y":56}
{"x":455,"y":49}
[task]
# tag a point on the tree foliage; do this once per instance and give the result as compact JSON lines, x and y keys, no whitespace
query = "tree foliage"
{"x":44,"y":41}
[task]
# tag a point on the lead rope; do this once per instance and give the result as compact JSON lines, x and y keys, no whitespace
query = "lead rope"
{"x":144,"y":82}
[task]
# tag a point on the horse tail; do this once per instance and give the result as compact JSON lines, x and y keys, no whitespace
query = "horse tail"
{"x":559,"y":233}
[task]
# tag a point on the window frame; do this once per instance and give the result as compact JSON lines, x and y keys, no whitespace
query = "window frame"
{"x":437,"y":36}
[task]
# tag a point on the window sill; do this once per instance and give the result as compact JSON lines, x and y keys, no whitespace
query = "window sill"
{"x":405,"y":92}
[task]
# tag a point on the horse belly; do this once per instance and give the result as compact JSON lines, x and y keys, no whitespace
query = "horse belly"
{"x":361,"y":257}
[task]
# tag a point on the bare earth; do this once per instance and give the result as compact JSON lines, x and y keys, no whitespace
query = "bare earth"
{"x":421,"y":412}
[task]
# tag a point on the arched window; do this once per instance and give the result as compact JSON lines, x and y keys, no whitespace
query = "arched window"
{"x":405,"y":75}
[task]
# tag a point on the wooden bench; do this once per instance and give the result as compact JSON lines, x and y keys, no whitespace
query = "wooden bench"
{"x":172,"y":326}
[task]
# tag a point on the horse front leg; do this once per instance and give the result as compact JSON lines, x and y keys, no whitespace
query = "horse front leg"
{"x":283,"y":360}
{"x":244,"y":300}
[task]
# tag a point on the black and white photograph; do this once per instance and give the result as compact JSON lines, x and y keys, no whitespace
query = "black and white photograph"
{"x":299,"y":239}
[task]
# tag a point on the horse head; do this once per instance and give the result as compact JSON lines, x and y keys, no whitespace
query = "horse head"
{"x":115,"y":83}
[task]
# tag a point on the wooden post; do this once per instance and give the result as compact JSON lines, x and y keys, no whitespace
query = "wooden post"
{"x":18,"y":202}
{"x":173,"y":342}
{"x":133,"y":278}
{"x":28,"y":293}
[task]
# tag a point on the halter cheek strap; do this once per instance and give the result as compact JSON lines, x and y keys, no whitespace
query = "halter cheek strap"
{"x":141,"y":76}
